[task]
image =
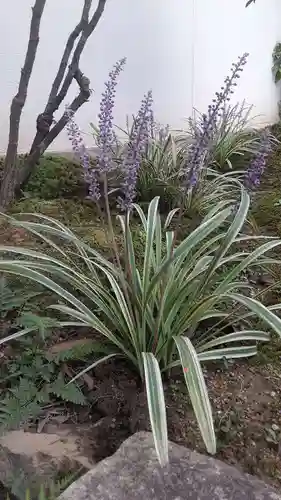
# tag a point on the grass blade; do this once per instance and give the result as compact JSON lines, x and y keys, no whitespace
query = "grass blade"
{"x":228,"y":353}
{"x":93,"y":365}
{"x":156,"y":406}
{"x":258,"y":335}
{"x":198,"y":392}
{"x":259,"y":310}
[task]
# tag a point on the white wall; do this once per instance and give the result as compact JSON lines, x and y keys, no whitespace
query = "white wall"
{"x":182,"y":49}
{"x":225,"y":30}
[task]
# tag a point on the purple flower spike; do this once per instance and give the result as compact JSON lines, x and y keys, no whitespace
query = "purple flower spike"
{"x":80,"y":150}
{"x":257,"y":165}
{"x":198,"y":151}
{"x":106,"y":139}
{"x":138,"y":142}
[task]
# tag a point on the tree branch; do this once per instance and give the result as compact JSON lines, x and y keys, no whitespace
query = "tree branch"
{"x":83,"y":96}
{"x":67,"y":52}
{"x":45,"y":119}
{"x":74,"y":66}
{"x":19,"y":100}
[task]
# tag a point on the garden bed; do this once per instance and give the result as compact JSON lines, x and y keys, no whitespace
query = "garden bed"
{"x":245,"y":396}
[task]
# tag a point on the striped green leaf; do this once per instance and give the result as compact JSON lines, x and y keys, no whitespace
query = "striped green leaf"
{"x":156,"y":406}
{"x":228,"y":353}
{"x":198,"y":392}
{"x":242,"y":336}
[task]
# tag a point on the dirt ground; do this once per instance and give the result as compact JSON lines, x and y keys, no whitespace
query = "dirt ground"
{"x":246,"y":404}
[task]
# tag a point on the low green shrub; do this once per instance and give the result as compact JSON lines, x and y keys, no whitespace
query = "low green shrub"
{"x":72,"y":211}
{"x":267,"y":211}
{"x":56,"y":177}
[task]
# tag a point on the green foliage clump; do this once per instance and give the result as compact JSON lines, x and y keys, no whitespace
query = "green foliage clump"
{"x":266,"y":207}
{"x":233,"y":140}
{"x":70,"y":211}
{"x":267,"y":211}
{"x":31,"y":380}
{"x":55,"y":177}
{"x":15,"y":306}
{"x":30,"y":375}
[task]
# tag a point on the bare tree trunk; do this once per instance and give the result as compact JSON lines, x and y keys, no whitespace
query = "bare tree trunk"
{"x":46,"y":131}
{"x":10,"y":165}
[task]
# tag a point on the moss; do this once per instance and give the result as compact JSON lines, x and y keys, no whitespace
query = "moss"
{"x":74,"y":212}
{"x":56,"y":176}
{"x":266,"y":206}
{"x":94,"y":234}
{"x":269,"y":352}
{"x":80,"y":215}
{"x":267,"y":211}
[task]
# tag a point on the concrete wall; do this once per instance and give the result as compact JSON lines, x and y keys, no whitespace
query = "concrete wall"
{"x":182,"y":49}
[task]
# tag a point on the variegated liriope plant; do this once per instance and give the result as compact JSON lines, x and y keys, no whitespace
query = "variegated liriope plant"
{"x":154,"y":313}
{"x":151,"y":309}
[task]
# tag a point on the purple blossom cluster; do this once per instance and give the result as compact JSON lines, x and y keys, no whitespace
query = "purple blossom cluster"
{"x":257,"y":165}
{"x":138,"y":142}
{"x":79,"y":148}
{"x":198,"y":151}
{"x":142,"y":128}
{"x":106,"y":139}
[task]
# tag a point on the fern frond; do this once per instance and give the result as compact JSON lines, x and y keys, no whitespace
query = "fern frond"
{"x":43,"y":396}
{"x":26,"y":391}
{"x":13,"y":414}
{"x":12,"y":299}
{"x":70,"y":393}
{"x":19,"y":406}
{"x":42,"y":323}
{"x":76,"y":353}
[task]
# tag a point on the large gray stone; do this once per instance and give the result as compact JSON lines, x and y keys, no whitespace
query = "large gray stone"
{"x":133,"y":473}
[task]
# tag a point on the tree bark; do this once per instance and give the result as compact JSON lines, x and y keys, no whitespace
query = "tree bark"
{"x":10,"y":165}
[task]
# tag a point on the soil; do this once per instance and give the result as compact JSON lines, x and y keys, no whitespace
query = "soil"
{"x":246,"y":404}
